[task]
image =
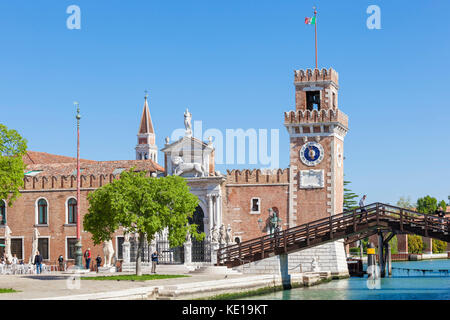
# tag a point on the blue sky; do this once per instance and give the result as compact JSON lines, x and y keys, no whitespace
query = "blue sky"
{"x":232,"y":64}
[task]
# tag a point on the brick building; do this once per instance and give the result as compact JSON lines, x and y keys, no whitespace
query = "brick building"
{"x":309,"y":189}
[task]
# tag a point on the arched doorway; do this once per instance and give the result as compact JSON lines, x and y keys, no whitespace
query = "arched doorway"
{"x":200,"y":249}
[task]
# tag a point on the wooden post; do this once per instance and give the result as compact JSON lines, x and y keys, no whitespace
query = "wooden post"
{"x":401,"y":219}
{"x":331,"y":227}
{"x":380,"y":253}
{"x":262,"y":248}
{"x":307,"y":234}
{"x":354,"y":220}
{"x":389,"y":260}
{"x":426,"y":225}
{"x":285,"y":244}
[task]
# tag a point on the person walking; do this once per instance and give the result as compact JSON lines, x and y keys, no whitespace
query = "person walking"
{"x":38,"y":262}
{"x":99,"y":261}
{"x":361,"y":206}
{"x":61,"y":262}
{"x":154,"y":261}
{"x":87,"y":257}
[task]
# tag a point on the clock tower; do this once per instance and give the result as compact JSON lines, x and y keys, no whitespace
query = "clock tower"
{"x":316,"y":131}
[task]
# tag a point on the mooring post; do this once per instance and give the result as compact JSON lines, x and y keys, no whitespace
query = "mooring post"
{"x":389,"y":259}
{"x":380,"y":254}
{"x":371,"y":263}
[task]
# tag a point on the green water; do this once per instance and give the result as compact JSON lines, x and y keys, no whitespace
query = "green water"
{"x":402,"y":285}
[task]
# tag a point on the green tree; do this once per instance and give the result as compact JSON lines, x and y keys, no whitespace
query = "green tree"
{"x":443,"y":205}
{"x":439,"y":246}
{"x":405,"y":203}
{"x":143,"y":205}
{"x":349,"y":196}
{"x":427,"y":205}
{"x":415,"y":244}
{"x":12,"y":148}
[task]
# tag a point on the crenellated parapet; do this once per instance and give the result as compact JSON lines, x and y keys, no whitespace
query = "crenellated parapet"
{"x":316,"y":75}
{"x":257,"y":176}
{"x":69,"y":182}
{"x":315,"y":116}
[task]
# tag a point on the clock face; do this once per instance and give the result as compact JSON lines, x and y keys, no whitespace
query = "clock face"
{"x":311,"y":153}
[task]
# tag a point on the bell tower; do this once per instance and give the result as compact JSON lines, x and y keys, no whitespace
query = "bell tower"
{"x":146,"y":147}
{"x":316,"y":131}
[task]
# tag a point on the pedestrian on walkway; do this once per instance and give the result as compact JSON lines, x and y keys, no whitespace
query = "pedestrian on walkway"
{"x":38,"y":262}
{"x":99,"y":261}
{"x":87,"y":257}
{"x":61,"y":262}
{"x":154,"y":261}
{"x":361,"y":206}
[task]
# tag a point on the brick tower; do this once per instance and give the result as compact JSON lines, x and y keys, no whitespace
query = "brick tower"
{"x":316,"y":129}
{"x":146,"y":147}
{"x":316,"y":186}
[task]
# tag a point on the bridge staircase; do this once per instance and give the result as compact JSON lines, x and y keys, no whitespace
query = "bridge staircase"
{"x":355,"y":224}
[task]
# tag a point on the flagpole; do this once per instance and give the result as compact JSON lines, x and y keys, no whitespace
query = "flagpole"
{"x":315,"y":30}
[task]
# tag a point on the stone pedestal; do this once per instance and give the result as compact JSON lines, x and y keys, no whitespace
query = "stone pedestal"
{"x":427,"y":245}
{"x":107,"y":269}
{"x":402,"y":243}
{"x":188,"y":253}
{"x":214,"y":249}
{"x":126,"y":252}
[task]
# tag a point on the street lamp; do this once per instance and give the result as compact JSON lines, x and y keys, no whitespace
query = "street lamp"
{"x":78,"y":252}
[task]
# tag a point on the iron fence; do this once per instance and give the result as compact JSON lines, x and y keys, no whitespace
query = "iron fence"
{"x":168,"y":255}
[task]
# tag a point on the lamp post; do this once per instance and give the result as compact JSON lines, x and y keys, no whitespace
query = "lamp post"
{"x":78,"y":252}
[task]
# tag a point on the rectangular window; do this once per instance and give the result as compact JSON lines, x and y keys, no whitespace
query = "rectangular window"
{"x":16,"y":248}
{"x":43,"y":248}
{"x":313,"y":100}
{"x":71,"y":248}
{"x":255,"y":205}
{"x":120,"y":241}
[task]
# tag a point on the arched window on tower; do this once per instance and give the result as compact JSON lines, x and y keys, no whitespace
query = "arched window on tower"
{"x":2,"y":212}
{"x":72,"y":211}
{"x":42,"y":211}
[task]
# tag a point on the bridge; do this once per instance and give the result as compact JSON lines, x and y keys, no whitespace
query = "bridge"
{"x":376,"y":218}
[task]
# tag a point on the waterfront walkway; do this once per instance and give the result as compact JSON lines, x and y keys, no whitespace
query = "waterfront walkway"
{"x":55,"y":286}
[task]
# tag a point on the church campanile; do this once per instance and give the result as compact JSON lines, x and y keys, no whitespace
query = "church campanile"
{"x":146,"y":147}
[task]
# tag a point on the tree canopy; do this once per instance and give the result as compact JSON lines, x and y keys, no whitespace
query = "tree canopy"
{"x":12,"y":148}
{"x":143,"y":205}
{"x":429,"y":205}
{"x":349,"y":196}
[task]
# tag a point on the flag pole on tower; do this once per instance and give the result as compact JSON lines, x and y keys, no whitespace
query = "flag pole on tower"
{"x":313,"y":20}
{"x":315,"y":30}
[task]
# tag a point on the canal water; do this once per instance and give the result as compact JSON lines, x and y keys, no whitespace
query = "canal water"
{"x":404,"y":284}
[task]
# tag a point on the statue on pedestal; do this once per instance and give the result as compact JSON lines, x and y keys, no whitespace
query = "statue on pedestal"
{"x":222,"y":235}
{"x":108,"y":251}
{"x":229,"y":235}
{"x":187,"y":123}
{"x":314,"y":265}
{"x":214,"y":234}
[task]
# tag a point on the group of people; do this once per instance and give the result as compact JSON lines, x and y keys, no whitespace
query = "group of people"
{"x":87,"y":259}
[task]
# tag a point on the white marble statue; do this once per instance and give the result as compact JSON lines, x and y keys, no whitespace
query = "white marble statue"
{"x":34,"y":245}
{"x":180,"y":167}
{"x":222,"y":234}
{"x":108,"y":252}
{"x":314,"y":265}
{"x":8,"y":255}
{"x":214,"y":234}
{"x":229,"y":235}
{"x":187,"y":122}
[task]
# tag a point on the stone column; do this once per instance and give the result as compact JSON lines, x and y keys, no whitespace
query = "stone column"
{"x":218,"y":211}
{"x":402,"y":243}
{"x":427,"y":245}
{"x":211,"y":210}
{"x":126,"y":252}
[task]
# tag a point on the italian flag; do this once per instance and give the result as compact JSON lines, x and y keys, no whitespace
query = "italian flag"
{"x":310,"y":20}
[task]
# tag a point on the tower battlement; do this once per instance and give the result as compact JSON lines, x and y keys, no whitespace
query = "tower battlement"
{"x":316,"y":75}
{"x":315,"y":116}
